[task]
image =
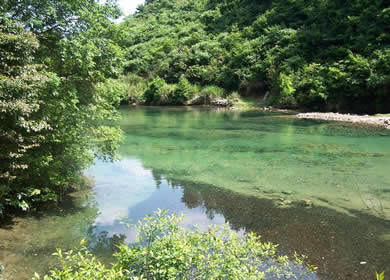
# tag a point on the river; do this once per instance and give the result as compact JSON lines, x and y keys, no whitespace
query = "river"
{"x":319,"y":188}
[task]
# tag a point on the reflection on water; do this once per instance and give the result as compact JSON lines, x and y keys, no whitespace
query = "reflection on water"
{"x":135,"y":192}
{"x":186,"y":162}
{"x":335,"y":242}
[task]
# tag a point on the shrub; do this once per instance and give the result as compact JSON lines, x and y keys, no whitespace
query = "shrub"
{"x":168,"y":94}
{"x":82,"y":265}
{"x":133,"y":88}
{"x":154,"y":91}
{"x":212,"y":92}
{"x":311,"y":91}
{"x":283,"y":91}
{"x":184,"y":91}
{"x":166,"y":250}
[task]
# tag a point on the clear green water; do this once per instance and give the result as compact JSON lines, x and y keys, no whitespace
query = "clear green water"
{"x":335,"y":165}
{"x":250,"y":169}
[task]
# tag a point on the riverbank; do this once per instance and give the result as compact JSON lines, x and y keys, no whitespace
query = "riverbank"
{"x":383,"y":121}
{"x":376,"y":120}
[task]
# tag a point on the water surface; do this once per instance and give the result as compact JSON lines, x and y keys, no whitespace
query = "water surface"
{"x":318,"y":188}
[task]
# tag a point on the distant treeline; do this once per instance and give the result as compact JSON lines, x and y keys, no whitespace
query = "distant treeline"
{"x":328,"y":55}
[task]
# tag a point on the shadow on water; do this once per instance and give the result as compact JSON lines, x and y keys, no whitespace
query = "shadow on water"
{"x":336,"y":243}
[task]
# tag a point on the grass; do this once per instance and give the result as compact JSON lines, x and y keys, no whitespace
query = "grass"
{"x":247,"y":102}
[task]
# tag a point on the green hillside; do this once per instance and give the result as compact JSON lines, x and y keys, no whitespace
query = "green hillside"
{"x":325,"y":55}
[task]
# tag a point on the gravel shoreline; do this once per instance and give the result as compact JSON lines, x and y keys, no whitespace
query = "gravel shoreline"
{"x":379,"y":121}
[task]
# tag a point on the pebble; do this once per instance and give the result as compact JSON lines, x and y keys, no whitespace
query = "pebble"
{"x":285,"y":202}
{"x":268,"y":191}
{"x":306,"y":203}
{"x":287,"y":192}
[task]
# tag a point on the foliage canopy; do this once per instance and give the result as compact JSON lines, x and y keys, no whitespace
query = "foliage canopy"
{"x":54,"y":57}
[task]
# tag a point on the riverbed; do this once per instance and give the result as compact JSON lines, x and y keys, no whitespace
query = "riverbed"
{"x":319,"y":188}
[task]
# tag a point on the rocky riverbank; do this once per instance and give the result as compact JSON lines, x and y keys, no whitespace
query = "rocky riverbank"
{"x":365,"y":119}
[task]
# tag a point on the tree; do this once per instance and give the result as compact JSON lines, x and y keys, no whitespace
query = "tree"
{"x":55,"y":55}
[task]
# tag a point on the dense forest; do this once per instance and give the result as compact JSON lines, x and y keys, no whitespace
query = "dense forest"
{"x":327,"y":55}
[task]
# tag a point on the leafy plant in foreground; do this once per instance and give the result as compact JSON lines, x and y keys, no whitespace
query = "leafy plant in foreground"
{"x":165,"y":250}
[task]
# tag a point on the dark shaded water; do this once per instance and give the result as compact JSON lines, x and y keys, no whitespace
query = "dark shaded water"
{"x":249,"y":169}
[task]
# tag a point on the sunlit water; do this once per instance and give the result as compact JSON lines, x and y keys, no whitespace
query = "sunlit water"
{"x":321,"y":189}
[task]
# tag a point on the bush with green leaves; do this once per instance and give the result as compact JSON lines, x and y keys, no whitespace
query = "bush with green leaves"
{"x":55,"y":55}
{"x":82,"y":265}
{"x":133,"y":88}
{"x":212,"y":92}
{"x":154,"y":93}
{"x":184,"y":91}
{"x":165,"y":250}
